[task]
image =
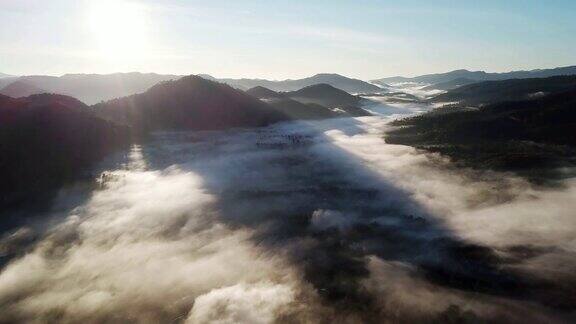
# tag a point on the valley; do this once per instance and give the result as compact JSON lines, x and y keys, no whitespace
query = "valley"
{"x":292,"y":195}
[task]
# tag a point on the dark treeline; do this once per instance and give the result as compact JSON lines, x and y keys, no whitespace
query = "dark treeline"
{"x":490,"y":92}
{"x":47,"y":140}
{"x":527,"y":136}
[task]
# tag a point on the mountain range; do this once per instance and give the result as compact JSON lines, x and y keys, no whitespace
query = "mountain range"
{"x":190,"y":102}
{"x":91,"y":88}
{"x":95,"y":88}
{"x":488,"y":92}
{"x":479,"y":76}
{"x":193,"y":102}
{"x":337,"y":81}
{"x":51,"y":138}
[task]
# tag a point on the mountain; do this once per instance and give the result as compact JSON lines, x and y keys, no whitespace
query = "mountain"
{"x":290,"y":107}
{"x":507,"y":90}
{"x":338,"y":81}
{"x":449,"y":85}
{"x":480,"y":76}
{"x":437,"y":78}
{"x":191,"y":102}
{"x":94,"y":88}
{"x":47,"y":140}
{"x":532,"y":137}
{"x":4,"y":75}
{"x":331,"y":97}
{"x":20,"y":89}
{"x":265,"y":93}
{"x":325,"y":95}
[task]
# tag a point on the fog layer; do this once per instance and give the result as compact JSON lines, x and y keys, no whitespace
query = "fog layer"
{"x":299,"y":222}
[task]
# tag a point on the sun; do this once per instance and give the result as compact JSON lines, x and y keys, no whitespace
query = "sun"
{"x":120,"y":28}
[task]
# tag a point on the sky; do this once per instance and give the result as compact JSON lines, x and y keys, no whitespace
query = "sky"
{"x":280,"y":39}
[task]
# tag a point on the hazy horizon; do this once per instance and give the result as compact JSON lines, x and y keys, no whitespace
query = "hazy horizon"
{"x":283,"y":40}
{"x":283,"y":79}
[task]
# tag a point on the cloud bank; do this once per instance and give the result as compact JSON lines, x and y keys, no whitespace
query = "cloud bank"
{"x":208,"y":227}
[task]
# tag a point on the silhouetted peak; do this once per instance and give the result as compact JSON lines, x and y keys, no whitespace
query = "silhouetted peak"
{"x":324,"y":75}
{"x":194,"y":79}
{"x":320,"y":87}
{"x":327,"y":96}
{"x":190,"y":102}
{"x":50,"y":99}
{"x":263,"y":93}
{"x":207,"y":77}
{"x":190,"y":83}
{"x":54,"y":101}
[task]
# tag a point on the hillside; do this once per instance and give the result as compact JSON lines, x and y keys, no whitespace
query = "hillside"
{"x":328,"y":96}
{"x":47,"y":140}
{"x":436,"y":77}
{"x":189,"y":103}
{"x":264,"y":93}
{"x":324,"y":94}
{"x":19,"y":89}
{"x":289,"y":107}
{"x":507,"y":90}
{"x":338,"y":81}
{"x":481,"y":75}
{"x":530,"y":136}
{"x":449,"y":85}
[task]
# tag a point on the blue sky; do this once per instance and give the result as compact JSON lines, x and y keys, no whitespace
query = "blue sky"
{"x":281,"y":39}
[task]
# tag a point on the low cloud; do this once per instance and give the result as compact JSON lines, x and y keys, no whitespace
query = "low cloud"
{"x":141,"y":250}
{"x":259,"y":304}
{"x":207,"y":227}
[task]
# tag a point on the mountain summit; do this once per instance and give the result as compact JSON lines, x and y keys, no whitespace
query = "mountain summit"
{"x":191,"y":102}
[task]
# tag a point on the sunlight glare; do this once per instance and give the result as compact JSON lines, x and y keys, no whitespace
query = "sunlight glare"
{"x":120,"y":28}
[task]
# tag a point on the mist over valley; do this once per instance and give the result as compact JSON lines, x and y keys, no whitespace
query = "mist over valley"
{"x":287,"y":162}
